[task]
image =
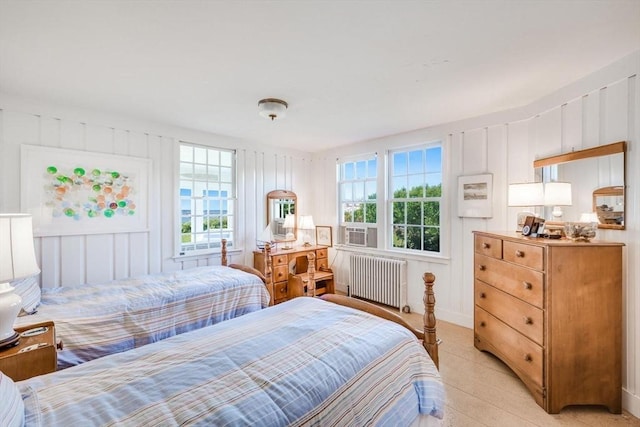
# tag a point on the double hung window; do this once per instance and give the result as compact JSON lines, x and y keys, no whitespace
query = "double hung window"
{"x":207,"y":198}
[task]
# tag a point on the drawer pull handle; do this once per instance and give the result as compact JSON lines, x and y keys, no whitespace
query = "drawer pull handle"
{"x":485,"y":245}
{"x":528,"y":358}
{"x":528,"y":320}
{"x":519,"y":254}
{"x":483,"y":324}
{"x":483,"y":295}
{"x":527,"y":285}
{"x":283,"y":289}
{"x":482,"y":267}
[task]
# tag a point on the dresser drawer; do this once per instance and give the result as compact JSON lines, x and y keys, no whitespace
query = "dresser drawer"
{"x":322,"y":253}
{"x":280,"y":273}
{"x":322,"y":263}
{"x":488,"y":246}
{"x":520,"y":353}
{"x":521,"y":316}
{"x":522,"y":254}
{"x":280,"y":291}
{"x":279,"y":260}
{"x":521,"y":282}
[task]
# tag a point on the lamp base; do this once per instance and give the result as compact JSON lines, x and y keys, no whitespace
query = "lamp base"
{"x":11,"y":341}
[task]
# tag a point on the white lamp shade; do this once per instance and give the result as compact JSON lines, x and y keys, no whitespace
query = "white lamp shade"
{"x":557,"y":194}
{"x":289,"y":221}
{"x":17,"y":254}
{"x":526,"y":194}
{"x":306,"y":222}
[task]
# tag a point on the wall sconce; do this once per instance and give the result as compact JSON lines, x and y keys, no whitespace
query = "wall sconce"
{"x":525,"y":194}
{"x":17,"y":260}
{"x":306,"y":224}
{"x":557,"y":194}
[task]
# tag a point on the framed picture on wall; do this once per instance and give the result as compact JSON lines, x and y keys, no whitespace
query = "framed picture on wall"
{"x":324,"y":235}
{"x":475,"y":195}
{"x":79,"y":192}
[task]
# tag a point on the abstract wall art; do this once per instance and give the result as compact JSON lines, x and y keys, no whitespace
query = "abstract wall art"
{"x":80,"y":192}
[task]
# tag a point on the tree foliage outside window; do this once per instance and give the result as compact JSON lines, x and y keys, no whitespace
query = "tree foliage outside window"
{"x":206,"y":198}
{"x":415,"y":182}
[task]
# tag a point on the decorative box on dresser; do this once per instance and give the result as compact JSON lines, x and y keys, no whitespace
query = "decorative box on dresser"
{"x":552,"y":311}
{"x":282,"y":261}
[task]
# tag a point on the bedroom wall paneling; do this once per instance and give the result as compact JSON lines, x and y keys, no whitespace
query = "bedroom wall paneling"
{"x":74,"y":260}
{"x":601,"y":108}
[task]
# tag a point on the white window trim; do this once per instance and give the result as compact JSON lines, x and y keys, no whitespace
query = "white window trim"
{"x":202,"y":253}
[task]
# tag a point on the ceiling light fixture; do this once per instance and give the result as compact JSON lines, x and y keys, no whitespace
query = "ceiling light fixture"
{"x":272,"y":108}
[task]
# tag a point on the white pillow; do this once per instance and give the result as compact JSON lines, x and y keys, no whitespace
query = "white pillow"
{"x":29,"y":290}
{"x":11,"y":404}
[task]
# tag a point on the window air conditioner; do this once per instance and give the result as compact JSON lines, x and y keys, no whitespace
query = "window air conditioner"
{"x":356,"y":236}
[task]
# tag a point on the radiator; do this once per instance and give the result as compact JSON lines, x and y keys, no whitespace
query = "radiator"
{"x":379,"y":279}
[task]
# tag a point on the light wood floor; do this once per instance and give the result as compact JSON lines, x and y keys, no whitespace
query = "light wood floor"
{"x":483,"y":391}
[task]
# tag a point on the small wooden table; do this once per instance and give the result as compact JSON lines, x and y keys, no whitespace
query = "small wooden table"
{"x":40,"y":358}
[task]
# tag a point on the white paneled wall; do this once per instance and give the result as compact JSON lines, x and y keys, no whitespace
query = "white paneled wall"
{"x":95,"y":258}
{"x":599,"y":109}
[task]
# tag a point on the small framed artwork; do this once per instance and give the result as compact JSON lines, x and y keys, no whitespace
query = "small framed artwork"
{"x":324,"y":235}
{"x":475,"y":195}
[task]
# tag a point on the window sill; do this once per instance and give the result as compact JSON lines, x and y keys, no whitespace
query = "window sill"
{"x":205,"y":254}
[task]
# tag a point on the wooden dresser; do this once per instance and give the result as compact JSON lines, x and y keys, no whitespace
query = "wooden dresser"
{"x":552,"y":311}
{"x":281,"y":262}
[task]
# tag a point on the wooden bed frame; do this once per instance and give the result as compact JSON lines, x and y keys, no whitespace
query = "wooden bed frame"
{"x":427,"y":335}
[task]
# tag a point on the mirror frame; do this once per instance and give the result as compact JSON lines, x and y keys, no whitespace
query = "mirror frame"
{"x":280,"y":195}
{"x":601,"y":150}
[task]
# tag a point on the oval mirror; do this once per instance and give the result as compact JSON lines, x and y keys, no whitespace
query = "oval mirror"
{"x":282,"y":217}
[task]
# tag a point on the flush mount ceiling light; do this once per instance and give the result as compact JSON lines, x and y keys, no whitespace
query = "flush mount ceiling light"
{"x":272,"y":108}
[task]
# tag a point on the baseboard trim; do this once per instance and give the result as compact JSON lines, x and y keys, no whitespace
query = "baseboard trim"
{"x":631,"y":403}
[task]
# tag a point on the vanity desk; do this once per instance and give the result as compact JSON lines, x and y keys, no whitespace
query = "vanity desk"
{"x":552,"y":311}
{"x":284,"y":261}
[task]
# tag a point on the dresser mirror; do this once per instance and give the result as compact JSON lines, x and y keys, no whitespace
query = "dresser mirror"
{"x":282,"y":217}
{"x":597,"y":177}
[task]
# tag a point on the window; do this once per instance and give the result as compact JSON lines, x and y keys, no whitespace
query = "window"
{"x":357,"y":181}
{"x":415,"y":188}
{"x":206,"y":198}
{"x":358,"y":191}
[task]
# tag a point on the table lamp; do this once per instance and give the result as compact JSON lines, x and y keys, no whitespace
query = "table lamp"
{"x":557,"y":194}
{"x":306,"y":225}
{"x":525,"y":194}
{"x":289,"y":225}
{"x":17,"y":260}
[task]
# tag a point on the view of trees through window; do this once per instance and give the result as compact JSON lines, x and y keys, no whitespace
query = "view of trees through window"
{"x":414,"y":197}
{"x":416,"y":185}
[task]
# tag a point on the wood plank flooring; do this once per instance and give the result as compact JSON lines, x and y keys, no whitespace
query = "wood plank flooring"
{"x":483,"y":391}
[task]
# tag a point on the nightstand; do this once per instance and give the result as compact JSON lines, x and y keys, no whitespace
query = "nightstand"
{"x":34,"y":355}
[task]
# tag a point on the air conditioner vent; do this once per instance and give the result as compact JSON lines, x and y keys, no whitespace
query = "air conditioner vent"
{"x":356,"y":236}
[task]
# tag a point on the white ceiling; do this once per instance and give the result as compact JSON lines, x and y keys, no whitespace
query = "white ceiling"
{"x":350,"y":70}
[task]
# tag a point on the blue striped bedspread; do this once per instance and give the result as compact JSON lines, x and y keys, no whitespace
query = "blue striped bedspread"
{"x":95,"y":320}
{"x":303,"y":362}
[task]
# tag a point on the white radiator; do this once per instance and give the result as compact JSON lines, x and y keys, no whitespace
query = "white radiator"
{"x":379,"y":279}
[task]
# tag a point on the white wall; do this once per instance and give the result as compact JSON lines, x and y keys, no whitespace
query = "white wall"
{"x":95,"y":258}
{"x":599,"y":109}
